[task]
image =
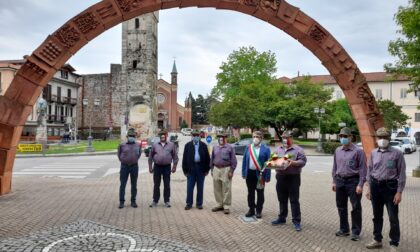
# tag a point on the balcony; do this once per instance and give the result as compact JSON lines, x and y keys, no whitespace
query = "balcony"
{"x":73,"y":101}
{"x":53,"y":98}
{"x":65,"y":99}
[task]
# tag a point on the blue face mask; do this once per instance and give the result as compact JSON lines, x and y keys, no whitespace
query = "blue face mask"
{"x":131,"y":139}
{"x":344,"y":141}
{"x":196,"y":139}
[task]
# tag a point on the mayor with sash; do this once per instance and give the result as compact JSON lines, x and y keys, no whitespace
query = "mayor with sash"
{"x":255,"y":155}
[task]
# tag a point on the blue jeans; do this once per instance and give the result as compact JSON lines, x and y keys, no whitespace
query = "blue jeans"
{"x":133,"y":172}
{"x":195,"y":175}
{"x":160,"y":171}
{"x":382,"y":194}
{"x":346,"y":189}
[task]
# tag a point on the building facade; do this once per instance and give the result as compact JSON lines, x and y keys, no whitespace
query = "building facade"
{"x":130,"y":95}
{"x":61,"y":95}
{"x":384,"y":87}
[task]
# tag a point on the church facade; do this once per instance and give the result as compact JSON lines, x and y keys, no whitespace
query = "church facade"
{"x":131,"y":95}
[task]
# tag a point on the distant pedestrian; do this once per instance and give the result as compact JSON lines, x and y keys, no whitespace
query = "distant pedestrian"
{"x":288,"y":181}
{"x":196,"y":166}
{"x":255,"y":155}
{"x":129,"y":154}
{"x":386,"y":178}
{"x":224,"y":159}
{"x":161,"y":156}
{"x":349,"y":176}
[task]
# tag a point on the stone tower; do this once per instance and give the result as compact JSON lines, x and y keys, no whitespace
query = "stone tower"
{"x":173,"y":120}
{"x":137,"y":100}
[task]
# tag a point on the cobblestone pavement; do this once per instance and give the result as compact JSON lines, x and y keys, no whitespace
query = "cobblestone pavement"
{"x":38,"y":204}
{"x":90,"y":236}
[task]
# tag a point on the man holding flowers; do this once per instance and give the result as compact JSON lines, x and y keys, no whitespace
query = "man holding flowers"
{"x":288,"y":180}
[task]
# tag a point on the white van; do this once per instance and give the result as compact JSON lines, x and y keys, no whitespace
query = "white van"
{"x":408,"y":144}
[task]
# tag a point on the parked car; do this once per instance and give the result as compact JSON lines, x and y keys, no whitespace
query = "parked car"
{"x":409,"y":145}
{"x":150,"y":142}
{"x":397,"y":145}
{"x":186,"y":131}
{"x":240,"y":146}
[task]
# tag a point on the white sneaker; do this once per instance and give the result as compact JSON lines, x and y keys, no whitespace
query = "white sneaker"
{"x":153,"y":204}
{"x":393,"y":248}
{"x":374,"y":244}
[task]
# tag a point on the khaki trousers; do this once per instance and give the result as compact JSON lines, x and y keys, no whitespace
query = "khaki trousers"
{"x":222,"y":187}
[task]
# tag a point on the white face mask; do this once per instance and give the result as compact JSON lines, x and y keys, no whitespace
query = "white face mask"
{"x":383,"y":143}
{"x":284,"y":141}
{"x":256,"y":141}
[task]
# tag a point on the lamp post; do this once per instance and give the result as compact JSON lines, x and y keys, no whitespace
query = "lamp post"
{"x":319,"y":113}
{"x":90,"y":148}
{"x":416,"y":89}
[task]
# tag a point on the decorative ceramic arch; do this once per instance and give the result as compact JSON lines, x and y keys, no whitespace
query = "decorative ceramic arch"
{"x":40,"y":67}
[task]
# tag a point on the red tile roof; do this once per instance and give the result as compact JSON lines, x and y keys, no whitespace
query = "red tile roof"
{"x":328,"y":79}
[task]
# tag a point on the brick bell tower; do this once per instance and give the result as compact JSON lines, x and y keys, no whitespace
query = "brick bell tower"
{"x":136,"y":93}
{"x":174,"y":124}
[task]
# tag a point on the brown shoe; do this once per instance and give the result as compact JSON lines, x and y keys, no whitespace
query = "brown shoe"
{"x":226,"y":211}
{"x":215,"y":209}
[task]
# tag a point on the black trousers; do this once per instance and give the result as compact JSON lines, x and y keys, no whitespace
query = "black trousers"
{"x":133,"y":172}
{"x":382,"y":194}
{"x":288,"y":189}
{"x":345,"y":190}
{"x":160,"y":171}
{"x":251,"y":183}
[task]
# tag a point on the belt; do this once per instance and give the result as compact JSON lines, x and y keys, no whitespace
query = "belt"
{"x":222,"y":166}
{"x":349,"y":177}
{"x":382,"y":181}
{"x":163,"y":164}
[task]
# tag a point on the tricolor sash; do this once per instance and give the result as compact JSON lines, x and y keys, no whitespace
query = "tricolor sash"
{"x":254,"y":159}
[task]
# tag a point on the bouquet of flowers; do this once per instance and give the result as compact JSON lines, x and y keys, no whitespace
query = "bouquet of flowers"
{"x":276,"y":162}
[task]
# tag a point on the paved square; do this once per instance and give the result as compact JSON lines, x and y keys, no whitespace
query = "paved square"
{"x":63,"y":204}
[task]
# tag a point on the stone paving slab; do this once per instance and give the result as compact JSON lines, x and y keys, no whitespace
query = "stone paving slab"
{"x":40,"y":203}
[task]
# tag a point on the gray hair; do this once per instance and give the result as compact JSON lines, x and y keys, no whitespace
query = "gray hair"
{"x":257,"y":133}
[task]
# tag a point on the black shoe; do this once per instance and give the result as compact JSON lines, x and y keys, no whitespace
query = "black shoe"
{"x":187,"y":207}
{"x":121,"y":205}
{"x":355,"y":237}
{"x":250,"y":214}
{"x":200,"y":207}
{"x":341,"y":233}
{"x":278,"y":221}
{"x":258,"y":215}
{"x":134,"y":204}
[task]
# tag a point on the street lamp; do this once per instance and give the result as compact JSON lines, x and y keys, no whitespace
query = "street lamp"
{"x":96,"y":102}
{"x":319,"y":113}
{"x":416,"y":89}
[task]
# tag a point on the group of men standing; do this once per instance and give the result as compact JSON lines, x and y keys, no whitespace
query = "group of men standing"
{"x":384,"y":174}
{"x":385,"y":177}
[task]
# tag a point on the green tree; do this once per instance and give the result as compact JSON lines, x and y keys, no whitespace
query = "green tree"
{"x":336,"y":112}
{"x":394,"y":118}
{"x":407,"y":48}
{"x":184,"y":124}
{"x":244,"y":66}
{"x":292,"y":106}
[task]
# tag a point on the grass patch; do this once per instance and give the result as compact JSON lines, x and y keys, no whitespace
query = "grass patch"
{"x":80,"y":147}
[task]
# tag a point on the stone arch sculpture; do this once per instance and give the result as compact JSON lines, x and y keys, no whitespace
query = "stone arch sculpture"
{"x":58,"y":47}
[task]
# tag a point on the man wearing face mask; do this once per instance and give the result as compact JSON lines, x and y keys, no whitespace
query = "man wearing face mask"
{"x":224,"y":159}
{"x":288,"y":181}
{"x":195,"y":165}
{"x":162,"y":155}
{"x":255,"y":155}
{"x":386,"y":178}
{"x":349,"y":176}
{"x":129,"y":154}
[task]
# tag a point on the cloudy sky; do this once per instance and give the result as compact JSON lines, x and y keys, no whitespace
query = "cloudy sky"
{"x":201,"y":39}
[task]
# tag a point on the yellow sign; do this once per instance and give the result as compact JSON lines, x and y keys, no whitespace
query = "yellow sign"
{"x":29,"y":148}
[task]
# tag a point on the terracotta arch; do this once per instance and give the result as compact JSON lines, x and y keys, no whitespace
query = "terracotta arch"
{"x":58,"y":47}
